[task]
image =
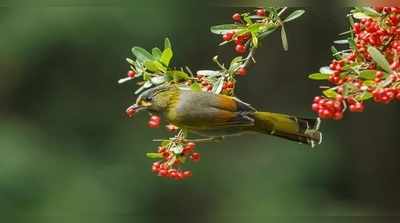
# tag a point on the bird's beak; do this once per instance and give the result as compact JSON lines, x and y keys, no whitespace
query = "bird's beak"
{"x":139,"y":106}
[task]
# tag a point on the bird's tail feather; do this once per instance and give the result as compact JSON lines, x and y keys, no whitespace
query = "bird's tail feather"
{"x":303,"y":130}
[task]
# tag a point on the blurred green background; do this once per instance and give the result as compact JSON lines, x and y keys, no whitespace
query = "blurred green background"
{"x":67,"y":150}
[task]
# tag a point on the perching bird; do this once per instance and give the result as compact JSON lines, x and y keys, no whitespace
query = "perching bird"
{"x":213,"y":115}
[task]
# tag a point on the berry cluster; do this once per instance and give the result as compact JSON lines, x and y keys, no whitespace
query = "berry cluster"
{"x":173,"y":158}
{"x":370,"y":69}
{"x":241,"y":38}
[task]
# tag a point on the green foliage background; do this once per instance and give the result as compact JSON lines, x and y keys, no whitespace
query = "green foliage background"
{"x":67,"y":151}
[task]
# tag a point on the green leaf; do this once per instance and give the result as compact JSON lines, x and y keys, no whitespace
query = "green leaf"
{"x":369,"y":83}
{"x":167,"y":44}
{"x":177,"y":75}
{"x":330,"y":93}
{"x":352,"y":43}
{"x":157,"y":80}
{"x":325,"y":70}
{"x":166,"y":56}
{"x":154,"y":155}
{"x":255,"y":27}
{"x":141,"y":54}
{"x":368,"y":74}
{"x":208,"y":73}
{"x":294,"y":15}
{"x":248,"y":20}
{"x":360,"y":15}
{"x":267,"y":32}
{"x":342,"y":41}
{"x":222,"y":29}
{"x":364,"y":96}
{"x":335,"y":52}
{"x":218,"y":85}
{"x":156,"y":52}
{"x":155,"y":66}
{"x":368,"y":11}
{"x":165,"y":143}
{"x":379,"y":59}
{"x":235,"y":63}
{"x":254,"y":39}
{"x":318,"y":76}
{"x":195,"y":87}
{"x":284,"y":39}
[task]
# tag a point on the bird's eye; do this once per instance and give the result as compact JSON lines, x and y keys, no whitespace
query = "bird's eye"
{"x":149,"y":98}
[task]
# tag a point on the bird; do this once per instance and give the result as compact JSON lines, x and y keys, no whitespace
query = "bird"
{"x":213,"y":115}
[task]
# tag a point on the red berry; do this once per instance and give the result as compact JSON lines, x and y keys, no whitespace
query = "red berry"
{"x":379,"y":74}
{"x":191,"y":145}
{"x":242,"y":71}
{"x":131,"y":74}
{"x":163,"y":172}
{"x":260,"y":12}
{"x":338,"y":116}
{"x":155,"y":118}
{"x":398,"y":96}
{"x":315,"y":107}
{"x":195,"y":157}
{"x":153,"y":124}
{"x":240,"y":48}
{"x":130,"y":112}
{"x":161,"y":149}
{"x":165,"y":154}
{"x":228,"y":36}
{"x":187,"y":173}
{"x":236,"y":17}
{"x":171,"y":128}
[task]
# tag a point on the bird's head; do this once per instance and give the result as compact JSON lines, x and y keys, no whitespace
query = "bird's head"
{"x":154,"y":100}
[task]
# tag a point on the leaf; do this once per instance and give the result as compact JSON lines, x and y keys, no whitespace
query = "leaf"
{"x":166,"y":56}
{"x":352,"y":43}
{"x":318,"y":76}
{"x":177,"y":149}
{"x":177,"y":75}
{"x":254,"y":39}
{"x":156,"y":52}
{"x":155,"y":66}
{"x":379,"y":59}
{"x":235,"y":63}
{"x":267,"y":32}
{"x":167,"y":44}
{"x":294,"y":15}
{"x":368,"y":11}
{"x":222,"y":29}
{"x":368,"y":74}
{"x":360,"y":15}
{"x":369,"y":83}
{"x":325,"y":70}
{"x":218,"y":85}
{"x":364,"y":96}
{"x":165,"y":143}
{"x":141,"y":54}
{"x":154,"y":155}
{"x":158,"y":80}
{"x":342,"y":41}
{"x":335,"y":52}
{"x":195,"y":87}
{"x":146,"y":85}
{"x":208,"y":73}
{"x":255,"y":27}
{"x":284,"y":39}
{"x":247,"y":20}
{"x":330,"y":93}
